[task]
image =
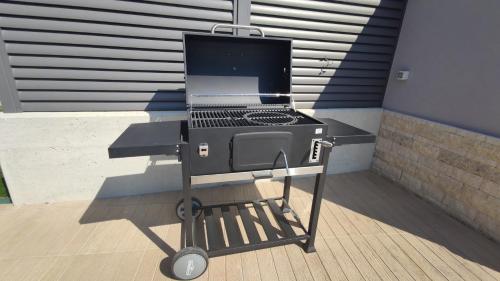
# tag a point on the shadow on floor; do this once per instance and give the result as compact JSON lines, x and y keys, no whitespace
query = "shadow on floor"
{"x":366,"y":194}
{"x":383,"y":201}
{"x":148,"y":214}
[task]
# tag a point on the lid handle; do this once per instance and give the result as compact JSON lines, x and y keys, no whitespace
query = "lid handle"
{"x":237,"y":26}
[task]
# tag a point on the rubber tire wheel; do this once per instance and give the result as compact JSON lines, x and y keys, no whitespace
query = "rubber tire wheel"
{"x":179,"y":209}
{"x":189,"y":263}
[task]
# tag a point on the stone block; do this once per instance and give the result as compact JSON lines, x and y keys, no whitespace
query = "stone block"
{"x":491,"y":188}
{"x":383,"y":144}
{"x":491,"y":173}
{"x":409,"y":181}
{"x":457,"y":143}
{"x":398,"y":122}
{"x":485,"y":152}
{"x":475,"y":198}
{"x":469,"y":165}
{"x":387,"y":170}
{"x":431,"y":193}
{"x":457,"y":208}
{"x":425,"y":147}
{"x":429,"y":131}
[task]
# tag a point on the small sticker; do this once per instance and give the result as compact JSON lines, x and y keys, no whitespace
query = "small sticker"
{"x":319,"y":131}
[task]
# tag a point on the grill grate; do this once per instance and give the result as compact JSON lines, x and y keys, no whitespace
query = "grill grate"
{"x":242,"y":118}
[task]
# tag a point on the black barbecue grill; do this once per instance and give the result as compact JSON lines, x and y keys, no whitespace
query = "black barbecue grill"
{"x":242,"y":125}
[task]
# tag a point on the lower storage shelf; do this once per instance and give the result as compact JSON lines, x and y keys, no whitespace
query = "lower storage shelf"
{"x":246,"y":226}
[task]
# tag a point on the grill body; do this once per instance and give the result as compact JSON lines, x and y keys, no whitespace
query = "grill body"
{"x":219,"y":137}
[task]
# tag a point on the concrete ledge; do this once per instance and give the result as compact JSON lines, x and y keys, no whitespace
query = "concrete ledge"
{"x":51,"y":157}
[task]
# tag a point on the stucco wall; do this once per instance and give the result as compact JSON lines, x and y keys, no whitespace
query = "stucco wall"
{"x":451,"y":49}
{"x":49,"y":157}
{"x":455,"y":169}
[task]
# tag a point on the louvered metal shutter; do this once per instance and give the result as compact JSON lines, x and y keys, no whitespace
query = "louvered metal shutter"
{"x":342,"y":49}
{"x":80,"y":55}
{"x":75,"y":55}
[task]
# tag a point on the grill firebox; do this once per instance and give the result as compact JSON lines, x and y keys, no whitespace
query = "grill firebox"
{"x":243,"y":118}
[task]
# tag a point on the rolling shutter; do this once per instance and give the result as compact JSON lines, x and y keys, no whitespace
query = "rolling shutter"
{"x":73,"y":55}
{"x":342,"y":49}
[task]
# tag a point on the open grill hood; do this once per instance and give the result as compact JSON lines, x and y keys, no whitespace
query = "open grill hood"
{"x":234,"y":71}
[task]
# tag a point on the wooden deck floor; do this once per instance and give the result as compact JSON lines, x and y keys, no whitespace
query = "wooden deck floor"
{"x":369,"y":229}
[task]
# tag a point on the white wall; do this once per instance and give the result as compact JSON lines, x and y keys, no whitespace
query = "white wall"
{"x":50,"y":157}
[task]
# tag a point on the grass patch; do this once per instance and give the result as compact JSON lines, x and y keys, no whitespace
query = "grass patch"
{"x":3,"y":188}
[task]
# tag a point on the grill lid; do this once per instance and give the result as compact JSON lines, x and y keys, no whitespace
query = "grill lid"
{"x":227,"y":70}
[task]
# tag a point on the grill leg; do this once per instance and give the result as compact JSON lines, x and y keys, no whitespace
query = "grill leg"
{"x":316,"y":204}
{"x":286,"y":189}
{"x":186,"y":191}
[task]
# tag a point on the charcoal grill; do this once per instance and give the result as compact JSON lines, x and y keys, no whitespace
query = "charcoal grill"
{"x":241,"y":125}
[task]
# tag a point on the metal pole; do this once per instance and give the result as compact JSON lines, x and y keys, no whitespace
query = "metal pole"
{"x":186,"y":190}
{"x":286,"y":189}
{"x":316,"y":204}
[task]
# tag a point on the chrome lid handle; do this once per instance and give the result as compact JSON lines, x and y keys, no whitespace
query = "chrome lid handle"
{"x":237,"y":26}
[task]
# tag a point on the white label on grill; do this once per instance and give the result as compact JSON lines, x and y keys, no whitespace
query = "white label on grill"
{"x":319,"y":131}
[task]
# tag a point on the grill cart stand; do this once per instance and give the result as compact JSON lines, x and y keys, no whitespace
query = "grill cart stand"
{"x":170,"y":138}
{"x":242,"y":125}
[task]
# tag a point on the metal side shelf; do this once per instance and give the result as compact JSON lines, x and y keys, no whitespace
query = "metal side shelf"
{"x":285,"y":234}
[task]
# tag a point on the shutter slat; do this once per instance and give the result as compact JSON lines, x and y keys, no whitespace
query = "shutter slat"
{"x":90,"y":40}
{"x":337,"y":81}
{"x":212,"y":4}
{"x":91,"y":28}
{"x":34,"y":73}
{"x":331,"y":46}
{"x":336,"y":97}
{"x":339,"y":64}
{"x":97,"y":85}
{"x":314,"y":25}
{"x":102,"y":106}
{"x":102,"y":96}
{"x":109,"y":17}
{"x":322,"y":16}
{"x":76,"y":51}
{"x":328,"y":36}
{"x":33,"y":61}
{"x":338,"y":104}
{"x":315,"y":72}
{"x":334,"y":7}
{"x":337,"y":89}
{"x":340,"y":56}
{"x":138,"y":7}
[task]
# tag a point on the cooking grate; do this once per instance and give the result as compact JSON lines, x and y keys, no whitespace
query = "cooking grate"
{"x":242,"y":118}
{"x":270,"y":118}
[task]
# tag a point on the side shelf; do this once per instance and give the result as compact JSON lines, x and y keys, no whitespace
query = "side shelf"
{"x":142,"y":139}
{"x":342,"y":134}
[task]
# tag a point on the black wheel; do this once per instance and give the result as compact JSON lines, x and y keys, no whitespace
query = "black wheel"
{"x":189,"y":263}
{"x":196,"y":205}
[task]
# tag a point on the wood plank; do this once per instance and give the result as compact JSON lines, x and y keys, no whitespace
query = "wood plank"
{"x":413,"y":253}
{"x":298,"y":263}
{"x":234,"y":267}
{"x":420,"y":227}
{"x":250,"y":266}
{"x":322,"y":264}
{"x":282,"y":263}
